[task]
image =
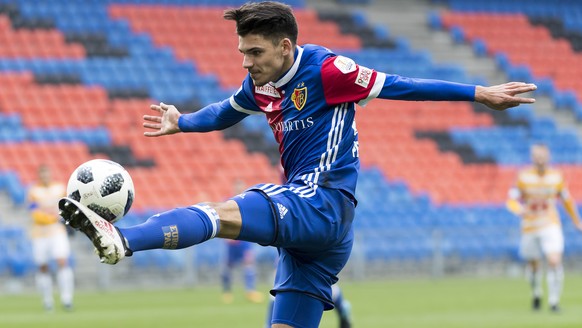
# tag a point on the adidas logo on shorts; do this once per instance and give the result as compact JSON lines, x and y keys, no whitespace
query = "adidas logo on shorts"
{"x":282,"y":210}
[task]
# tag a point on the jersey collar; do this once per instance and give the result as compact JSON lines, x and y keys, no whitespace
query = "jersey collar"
{"x":291,"y":72}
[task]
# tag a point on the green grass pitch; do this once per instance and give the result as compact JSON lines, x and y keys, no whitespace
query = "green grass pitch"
{"x":459,"y":302}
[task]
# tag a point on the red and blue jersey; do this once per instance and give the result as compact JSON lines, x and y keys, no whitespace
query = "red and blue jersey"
{"x":311,"y":111}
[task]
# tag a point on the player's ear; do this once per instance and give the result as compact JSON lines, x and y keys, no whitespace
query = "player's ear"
{"x":287,"y":46}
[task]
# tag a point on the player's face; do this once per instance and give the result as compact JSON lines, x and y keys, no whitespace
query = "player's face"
{"x":540,"y":156}
{"x":264,"y":60}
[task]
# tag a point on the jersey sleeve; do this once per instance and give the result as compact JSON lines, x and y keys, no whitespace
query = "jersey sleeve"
{"x":243,"y":100}
{"x":345,"y":81}
{"x":562,"y":189}
{"x":221,"y":115}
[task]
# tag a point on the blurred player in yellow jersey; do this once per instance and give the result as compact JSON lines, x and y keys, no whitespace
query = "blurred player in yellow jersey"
{"x":534,"y":199}
{"x":49,"y":239}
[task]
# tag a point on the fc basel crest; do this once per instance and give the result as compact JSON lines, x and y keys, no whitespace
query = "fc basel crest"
{"x":299,"y":97}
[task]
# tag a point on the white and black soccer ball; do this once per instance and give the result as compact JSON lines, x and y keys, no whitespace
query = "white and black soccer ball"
{"x":103,"y":186}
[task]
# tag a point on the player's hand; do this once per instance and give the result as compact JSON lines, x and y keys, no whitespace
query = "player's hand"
{"x":579,"y":226}
{"x":503,"y":96}
{"x":165,"y":123}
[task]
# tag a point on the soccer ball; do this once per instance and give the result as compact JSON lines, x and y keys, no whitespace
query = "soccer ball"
{"x":103,"y":186}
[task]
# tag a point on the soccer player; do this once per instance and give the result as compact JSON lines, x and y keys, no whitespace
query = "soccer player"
{"x":534,"y":200}
{"x":240,"y":252}
{"x":309,"y":97}
{"x":50,"y":240}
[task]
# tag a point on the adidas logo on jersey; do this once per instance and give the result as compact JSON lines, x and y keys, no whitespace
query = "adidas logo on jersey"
{"x":282,"y":210}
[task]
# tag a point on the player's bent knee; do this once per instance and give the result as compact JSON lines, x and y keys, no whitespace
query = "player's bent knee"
{"x":230,"y":218}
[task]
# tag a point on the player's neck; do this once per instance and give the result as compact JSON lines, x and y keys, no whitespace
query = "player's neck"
{"x":288,"y":62}
{"x":541,"y":171}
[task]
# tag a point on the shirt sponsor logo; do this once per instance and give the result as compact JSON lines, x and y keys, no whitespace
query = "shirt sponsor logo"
{"x":344,"y":64}
{"x":292,"y":125}
{"x":364,"y":75}
{"x":299,"y":97}
{"x":170,"y":237}
{"x":268,"y":90}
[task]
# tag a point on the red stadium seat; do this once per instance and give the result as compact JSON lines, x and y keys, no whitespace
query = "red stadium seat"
{"x":192,"y":41}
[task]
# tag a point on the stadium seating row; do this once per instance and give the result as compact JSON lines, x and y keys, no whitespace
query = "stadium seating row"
{"x":535,"y":55}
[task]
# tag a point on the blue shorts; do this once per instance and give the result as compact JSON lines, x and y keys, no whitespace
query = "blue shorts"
{"x":236,"y":251}
{"x":312,"y":231}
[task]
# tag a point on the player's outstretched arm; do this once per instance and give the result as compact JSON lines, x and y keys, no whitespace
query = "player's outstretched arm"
{"x":217,"y":116}
{"x":503,"y":96}
{"x":165,"y":123}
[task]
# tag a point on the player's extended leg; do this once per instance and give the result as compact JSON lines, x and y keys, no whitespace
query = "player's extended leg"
{"x":555,"y":280}
{"x":174,"y":229}
{"x":324,"y":238}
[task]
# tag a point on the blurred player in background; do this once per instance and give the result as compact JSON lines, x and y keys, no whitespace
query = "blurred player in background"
{"x":50,"y":241}
{"x":308,"y":95}
{"x":534,"y":200}
{"x":240,"y":252}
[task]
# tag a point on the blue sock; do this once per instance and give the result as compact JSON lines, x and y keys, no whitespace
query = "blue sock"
{"x":250,"y":277}
{"x":177,"y":228}
{"x":227,"y":280}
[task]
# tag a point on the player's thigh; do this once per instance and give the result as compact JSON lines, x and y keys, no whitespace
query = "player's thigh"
{"x":530,"y":247}
{"x":311,"y":271}
{"x":60,"y":248}
{"x":41,"y":250}
{"x":317,"y":222}
{"x":552,"y":244}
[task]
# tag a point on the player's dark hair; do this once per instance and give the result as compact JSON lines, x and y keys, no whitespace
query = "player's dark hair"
{"x":271,"y":20}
